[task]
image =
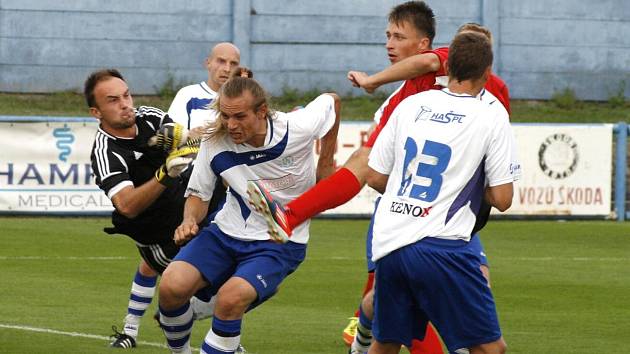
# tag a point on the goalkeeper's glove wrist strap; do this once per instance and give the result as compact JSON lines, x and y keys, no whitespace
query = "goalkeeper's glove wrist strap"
{"x":161,"y":175}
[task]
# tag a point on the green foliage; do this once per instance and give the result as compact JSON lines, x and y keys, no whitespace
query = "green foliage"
{"x":563,"y":284}
{"x":565,"y":99}
{"x":169,"y":87}
{"x":618,"y":97}
{"x":352,"y":107}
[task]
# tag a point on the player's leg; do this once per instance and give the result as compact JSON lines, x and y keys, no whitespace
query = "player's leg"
{"x":460,"y":304}
{"x":350,"y":331}
{"x":397,"y":317}
{"x":202,"y":258}
{"x":328,"y":193}
{"x":384,"y":348}
{"x":496,"y":347}
{"x":262,"y":267}
{"x":363,"y":338}
{"x":431,"y":343}
{"x":141,"y":295}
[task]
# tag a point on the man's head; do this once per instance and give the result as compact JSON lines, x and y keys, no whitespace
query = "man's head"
{"x":223,"y":58}
{"x":411,"y":29}
{"x":108,"y":97}
{"x":470,"y":58}
{"x":475,"y":27}
{"x":243,"y":111}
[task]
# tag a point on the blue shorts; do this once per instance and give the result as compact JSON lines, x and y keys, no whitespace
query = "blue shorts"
{"x":263,"y":264}
{"x":475,"y":243}
{"x":434,"y":280}
{"x":477,"y":247}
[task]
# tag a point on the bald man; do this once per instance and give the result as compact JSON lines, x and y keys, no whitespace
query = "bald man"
{"x":191,"y":104}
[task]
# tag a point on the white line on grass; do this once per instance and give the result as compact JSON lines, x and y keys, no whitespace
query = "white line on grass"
{"x":70,"y":258}
{"x":72,"y":334}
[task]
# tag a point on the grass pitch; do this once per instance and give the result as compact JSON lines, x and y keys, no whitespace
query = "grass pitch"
{"x":560,"y":287}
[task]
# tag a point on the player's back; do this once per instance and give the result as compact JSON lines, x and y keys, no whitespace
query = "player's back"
{"x":436,"y":153}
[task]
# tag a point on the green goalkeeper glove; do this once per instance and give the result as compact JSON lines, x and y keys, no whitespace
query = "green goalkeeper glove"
{"x":169,"y":136}
{"x":175,"y":163}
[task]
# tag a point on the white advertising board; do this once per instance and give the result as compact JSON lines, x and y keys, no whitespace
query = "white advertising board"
{"x":45,"y":168}
{"x":566,"y":169}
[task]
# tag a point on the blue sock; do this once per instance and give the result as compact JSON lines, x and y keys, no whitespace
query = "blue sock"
{"x":223,"y":337}
{"x":177,"y":325}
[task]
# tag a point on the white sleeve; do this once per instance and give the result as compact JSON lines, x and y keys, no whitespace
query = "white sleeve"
{"x":177,"y":110}
{"x":382,"y":155}
{"x":502,"y":165}
{"x":202,"y":179}
{"x":317,"y":117}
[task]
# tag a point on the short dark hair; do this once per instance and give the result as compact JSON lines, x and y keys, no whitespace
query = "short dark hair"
{"x":469,"y":55}
{"x":417,"y":13}
{"x":95,"y":78}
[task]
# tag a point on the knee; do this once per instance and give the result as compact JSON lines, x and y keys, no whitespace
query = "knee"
{"x":173,"y":292}
{"x":233,"y":302}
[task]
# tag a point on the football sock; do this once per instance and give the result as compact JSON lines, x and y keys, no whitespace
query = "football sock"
{"x":224,"y":337}
{"x":363,"y":339}
{"x":429,"y":345}
{"x":142,"y":291}
{"x":328,"y":193}
{"x":177,"y":325}
{"x":368,"y":286}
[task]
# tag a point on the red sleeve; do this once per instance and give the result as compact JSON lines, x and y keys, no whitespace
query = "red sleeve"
{"x":404,"y":92}
{"x":411,"y":87}
{"x":442,"y":54}
{"x":499,"y":89}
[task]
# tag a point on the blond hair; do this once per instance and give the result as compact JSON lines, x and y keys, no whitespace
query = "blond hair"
{"x":236,"y":87}
{"x":475,"y":27}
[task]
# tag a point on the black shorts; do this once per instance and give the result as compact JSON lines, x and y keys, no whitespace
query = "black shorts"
{"x":158,"y":256}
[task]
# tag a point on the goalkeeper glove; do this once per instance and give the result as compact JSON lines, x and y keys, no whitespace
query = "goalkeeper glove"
{"x":169,"y":136}
{"x":175,"y":163}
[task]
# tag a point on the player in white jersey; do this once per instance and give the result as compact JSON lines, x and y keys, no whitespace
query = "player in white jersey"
{"x":191,"y":103}
{"x":234,"y":255}
{"x":442,"y":152}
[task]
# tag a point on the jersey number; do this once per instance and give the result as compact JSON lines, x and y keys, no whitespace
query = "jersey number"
{"x":442,"y":155}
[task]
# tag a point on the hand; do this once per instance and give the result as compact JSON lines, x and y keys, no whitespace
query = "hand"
{"x":169,"y":137}
{"x":186,"y":231}
{"x":175,"y":163}
{"x":361,"y":79}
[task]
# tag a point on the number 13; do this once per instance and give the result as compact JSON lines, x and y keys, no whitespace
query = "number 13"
{"x":442,"y":154}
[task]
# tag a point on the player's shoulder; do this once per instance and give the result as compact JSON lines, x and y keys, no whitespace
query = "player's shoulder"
{"x":148,"y":112}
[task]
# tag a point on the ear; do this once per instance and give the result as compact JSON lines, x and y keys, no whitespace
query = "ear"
{"x":95,"y":113}
{"x":445,"y":67}
{"x":424,"y":44}
{"x":207,"y":63}
{"x":262,"y":111}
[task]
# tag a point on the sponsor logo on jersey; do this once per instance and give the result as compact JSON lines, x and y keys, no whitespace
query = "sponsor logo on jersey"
{"x":423,"y":113}
{"x":257,"y":156}
{"x":449,"y":117}
{"x":409,"y":209}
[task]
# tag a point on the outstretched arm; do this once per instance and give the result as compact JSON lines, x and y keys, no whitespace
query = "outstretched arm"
{"x":405,"y":69}
{"x":195,"y":210}
{"x":326,"y":162}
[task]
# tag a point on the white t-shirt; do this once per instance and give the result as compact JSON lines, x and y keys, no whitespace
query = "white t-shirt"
{"x":191,"y":105}
{"x":285,"y":164}
{"x":438,"y":149}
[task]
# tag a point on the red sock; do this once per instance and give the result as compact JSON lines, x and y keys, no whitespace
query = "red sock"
{"x":368,"y":286}
{"x":331,"y":192}
{"x":430,"y":345}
